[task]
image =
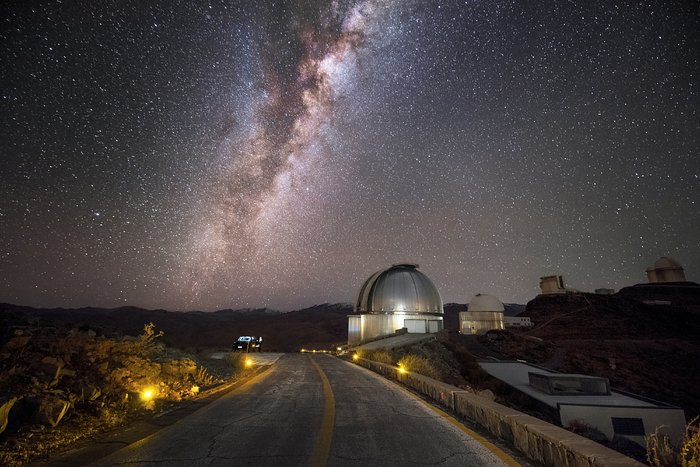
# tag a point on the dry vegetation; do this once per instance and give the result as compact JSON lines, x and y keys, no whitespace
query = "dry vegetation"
{"x":662,"y":453}
{"x":378,"y":355}
{"x":58,"y":385}
{"x":409,"y":362}
{"x":420,"y":365}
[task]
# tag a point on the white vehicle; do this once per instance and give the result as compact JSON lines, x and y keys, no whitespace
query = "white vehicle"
{"x":247,"y":344}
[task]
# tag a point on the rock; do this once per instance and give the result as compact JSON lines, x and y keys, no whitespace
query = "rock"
{"x":5,"y":412}
{"x":56,"y":367}
{"x":93,"y":393}
{"x":487,"y":394}
{"x":17,"y":342}
{"x":52,"y":409}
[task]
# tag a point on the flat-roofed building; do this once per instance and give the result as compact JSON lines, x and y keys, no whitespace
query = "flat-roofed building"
{"x":517,"y":321}
{"x":588,"y":399}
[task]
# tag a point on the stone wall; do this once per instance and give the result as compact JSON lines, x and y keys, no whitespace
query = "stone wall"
{"x":536,"y":439}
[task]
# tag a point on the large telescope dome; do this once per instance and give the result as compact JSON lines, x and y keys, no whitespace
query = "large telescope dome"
{"x":398,"y":289}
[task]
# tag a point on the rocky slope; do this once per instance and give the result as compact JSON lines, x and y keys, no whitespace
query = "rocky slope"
{"x":645,"y":340}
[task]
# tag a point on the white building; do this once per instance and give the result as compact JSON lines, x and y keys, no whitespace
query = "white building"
{"x":393,"y":299}
{"x":665,"y":269}
{"x":552,"y":285}
{"x":517,"y":321}
{"x":589,"y":400}
{"x":484,"y":313}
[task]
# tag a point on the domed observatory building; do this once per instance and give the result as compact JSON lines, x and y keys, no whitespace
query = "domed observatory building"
{"x":484,"y":313}
{"x":392,"y":299}
{"x":665,"y":269}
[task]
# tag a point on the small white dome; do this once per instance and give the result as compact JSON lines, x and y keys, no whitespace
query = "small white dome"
{"x":485,"y":302}
{"x":666,"y":263}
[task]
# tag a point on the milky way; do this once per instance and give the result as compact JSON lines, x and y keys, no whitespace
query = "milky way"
{"x":245,"y":154}
{"x":281,"y":153}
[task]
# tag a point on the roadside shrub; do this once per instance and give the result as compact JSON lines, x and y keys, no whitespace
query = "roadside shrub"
{"x":61,"y":384}
{"x":419,"y":365}
{"x":237,"y":361}
{"x":661,"y":453}
{"x":380,"y":355}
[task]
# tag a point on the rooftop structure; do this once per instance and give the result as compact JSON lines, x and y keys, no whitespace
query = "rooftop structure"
{"x":552,"y":285}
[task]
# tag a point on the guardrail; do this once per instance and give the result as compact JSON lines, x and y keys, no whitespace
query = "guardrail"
{"x":536,"y":439}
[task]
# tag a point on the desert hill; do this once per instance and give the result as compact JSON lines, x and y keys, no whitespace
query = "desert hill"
{"x":644,"y":339}
{"x":321,"y":325}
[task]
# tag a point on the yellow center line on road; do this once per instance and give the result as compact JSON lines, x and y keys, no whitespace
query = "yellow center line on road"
{"x":325,"y":436}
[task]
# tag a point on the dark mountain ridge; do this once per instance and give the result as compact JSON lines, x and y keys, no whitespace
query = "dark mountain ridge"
{"x":324,"y":324}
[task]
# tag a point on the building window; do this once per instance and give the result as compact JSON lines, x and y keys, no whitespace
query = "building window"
{"x":628,"y":426}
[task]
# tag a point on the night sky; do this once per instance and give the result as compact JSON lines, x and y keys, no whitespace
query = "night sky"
{"x":194,"y":155}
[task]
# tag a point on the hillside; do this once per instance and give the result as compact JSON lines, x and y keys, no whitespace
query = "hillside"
{"x":648,"y":349}
{"x":320,"y":326}
{"x":317,"y":326}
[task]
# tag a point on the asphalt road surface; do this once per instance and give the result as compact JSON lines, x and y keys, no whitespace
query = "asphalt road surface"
{"x":312,"y":410}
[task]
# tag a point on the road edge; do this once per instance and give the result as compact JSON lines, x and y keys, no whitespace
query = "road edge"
{"x":90,"y":450}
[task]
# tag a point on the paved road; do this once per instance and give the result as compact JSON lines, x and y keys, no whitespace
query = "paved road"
{"x":311,"y":410}
{"x":397,"y":341}
{"x":262,"y":358}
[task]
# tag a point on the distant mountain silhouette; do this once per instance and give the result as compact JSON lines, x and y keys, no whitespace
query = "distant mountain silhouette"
{"x":322,"y":325}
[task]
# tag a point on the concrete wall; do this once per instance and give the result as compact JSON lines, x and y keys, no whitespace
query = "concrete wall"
{"x":671,"y":421}
{"x":382,"y":325}
{"x":478,"y":322}
{"x":538,"y":440}
{"x":354,"y":326}
{"x":363,"y":328}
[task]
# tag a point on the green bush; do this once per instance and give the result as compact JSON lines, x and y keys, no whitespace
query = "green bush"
{"x":419,"y":365}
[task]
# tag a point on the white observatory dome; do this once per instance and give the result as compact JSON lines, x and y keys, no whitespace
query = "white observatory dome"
{"x":666,"y":262}
{"x":485,"y":302}
{"x":400,"y":288}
